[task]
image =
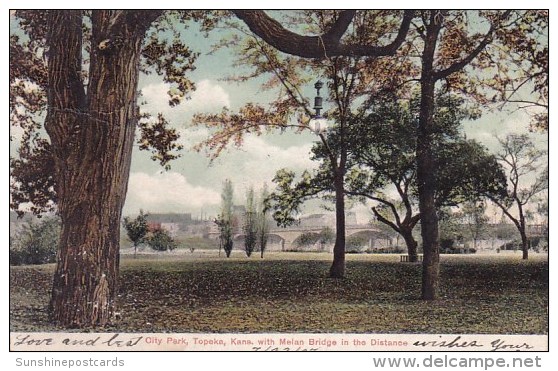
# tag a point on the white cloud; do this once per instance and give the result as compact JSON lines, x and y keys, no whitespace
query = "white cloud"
{"x":16,"y":133}
{"x":295,"y":157}
{"x":191,"y":136}
{"x":257,"y":162}
{"x":167,"y":191}
{"x":208,"y":97}
{"x":492,"y":126}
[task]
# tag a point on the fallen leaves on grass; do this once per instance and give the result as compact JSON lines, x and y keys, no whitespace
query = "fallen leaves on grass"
{"x":292,"y":295}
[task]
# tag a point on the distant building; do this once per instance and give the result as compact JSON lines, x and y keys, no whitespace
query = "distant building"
{"x":173,"y":223}
{"x":179,"y":219}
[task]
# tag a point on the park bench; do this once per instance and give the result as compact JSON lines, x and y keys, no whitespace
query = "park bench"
{"x":405,"y":258}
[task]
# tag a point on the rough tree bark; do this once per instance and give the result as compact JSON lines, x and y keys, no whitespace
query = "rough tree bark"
{"x":92,"y":134}
{"x":426,"y":168}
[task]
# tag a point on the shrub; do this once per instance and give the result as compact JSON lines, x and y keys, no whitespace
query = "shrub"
{"x":446,"y":244}
{"x":307,"y":239}
{"x":37,"y":243}
{"x":356,"y":245}
{"x":161,"y":240}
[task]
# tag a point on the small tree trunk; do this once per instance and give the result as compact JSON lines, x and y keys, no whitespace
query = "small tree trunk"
{"x":411,"y":244}
{"x":524,"y":245}
{"x":337,"y":269}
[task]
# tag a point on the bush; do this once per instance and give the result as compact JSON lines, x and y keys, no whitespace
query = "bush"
{"x":161,"y":240}
{"x":536,"y":243}
{"x":307,"y":239}
{"x":356,"y":245}
{"x":446,"y":244}
{"x":37,"y":243}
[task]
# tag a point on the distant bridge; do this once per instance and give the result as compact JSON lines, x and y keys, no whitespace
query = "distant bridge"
{"x":285,"y":239}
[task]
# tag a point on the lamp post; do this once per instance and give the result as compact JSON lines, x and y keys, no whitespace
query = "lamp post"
{"x":318,"y":124}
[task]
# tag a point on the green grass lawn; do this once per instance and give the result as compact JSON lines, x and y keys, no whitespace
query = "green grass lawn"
{"x":290,"y":292}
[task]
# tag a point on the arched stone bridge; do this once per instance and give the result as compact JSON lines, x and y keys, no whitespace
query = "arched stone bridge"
{"x":287,"y":239}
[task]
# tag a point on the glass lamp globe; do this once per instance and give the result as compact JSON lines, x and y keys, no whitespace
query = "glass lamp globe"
{"x":318,"y":125}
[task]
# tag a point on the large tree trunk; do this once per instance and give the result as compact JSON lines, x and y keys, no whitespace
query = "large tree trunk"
{"x":337,"y":269}
{"x":426,"y":189}
{"x":426,"y":169}
{"x":93,"y":140}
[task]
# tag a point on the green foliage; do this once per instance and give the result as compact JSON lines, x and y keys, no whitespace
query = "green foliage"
{"x":450,"y":226}
{"x":473,"y":217}
{"x":356,"y":244}
{"x":32,"y":174}
{"x":383,"y":144}
{"x":136,"y":229}
{"x":161,"y":240}
{"x":36,"y":243}
{"x":290,"y":194}
{"x":326,"y":235}
{"x":308,"y":239}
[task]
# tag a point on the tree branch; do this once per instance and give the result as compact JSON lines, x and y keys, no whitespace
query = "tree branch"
{"x":385,"y":220}
{"x":326,"y":45}
{"x":140,"y":19}
{"x":381,"y":200}
{"x":414,"y":220}
{"x":458,"y":66}
{"x":505,"y":211}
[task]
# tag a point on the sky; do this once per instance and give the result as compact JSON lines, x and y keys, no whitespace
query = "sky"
{"x":193,"y":184}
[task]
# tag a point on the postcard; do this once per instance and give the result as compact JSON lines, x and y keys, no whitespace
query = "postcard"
{"x":279,"y":180}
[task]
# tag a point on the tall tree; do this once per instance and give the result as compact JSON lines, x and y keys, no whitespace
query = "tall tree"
{"x":250,"y":223}
{"x":81,"y":68}
{"x":225,"y":219}
{"x":522,"y":160}
{"x":383,"y":146}
{"x":473,"y":216}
